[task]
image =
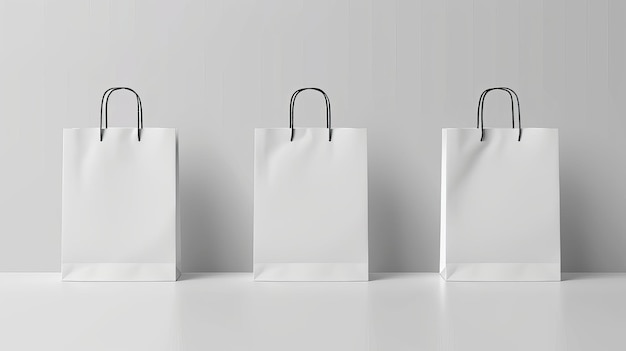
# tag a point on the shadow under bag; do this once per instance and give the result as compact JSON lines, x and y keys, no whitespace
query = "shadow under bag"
{"x":310,"y":202}
{"x":500,"y":208}
{"x":120,"y":202}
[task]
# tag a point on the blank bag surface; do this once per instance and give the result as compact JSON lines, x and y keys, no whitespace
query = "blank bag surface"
{"x":310,"y":205}
{"x":500,"y":207}
{"x":120,"y":208}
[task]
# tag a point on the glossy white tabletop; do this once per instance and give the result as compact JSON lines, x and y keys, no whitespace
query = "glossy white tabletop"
{"x":391,"y":312}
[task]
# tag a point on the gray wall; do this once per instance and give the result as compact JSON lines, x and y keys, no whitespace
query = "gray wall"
{"x":403,"y":69}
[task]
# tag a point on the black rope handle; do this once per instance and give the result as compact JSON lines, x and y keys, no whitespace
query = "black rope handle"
{"x":292,"y":104}
{"x":481,"y":103}
{"x":104,"y":104}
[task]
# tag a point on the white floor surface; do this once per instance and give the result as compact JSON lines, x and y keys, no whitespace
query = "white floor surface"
{"x":228,"y":311}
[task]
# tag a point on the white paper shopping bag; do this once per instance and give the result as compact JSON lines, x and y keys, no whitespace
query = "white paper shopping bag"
{"x":310,"y":203}
{"x":120,"y":207}
{"x":500,"y":209}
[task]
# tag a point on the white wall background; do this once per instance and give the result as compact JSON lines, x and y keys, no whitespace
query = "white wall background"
{"x":403,"y":69}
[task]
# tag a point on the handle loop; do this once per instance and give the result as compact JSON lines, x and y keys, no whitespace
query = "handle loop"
{"x":104,"y":104}
{"x":291,"y":108}
{"x":481,"y":104}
